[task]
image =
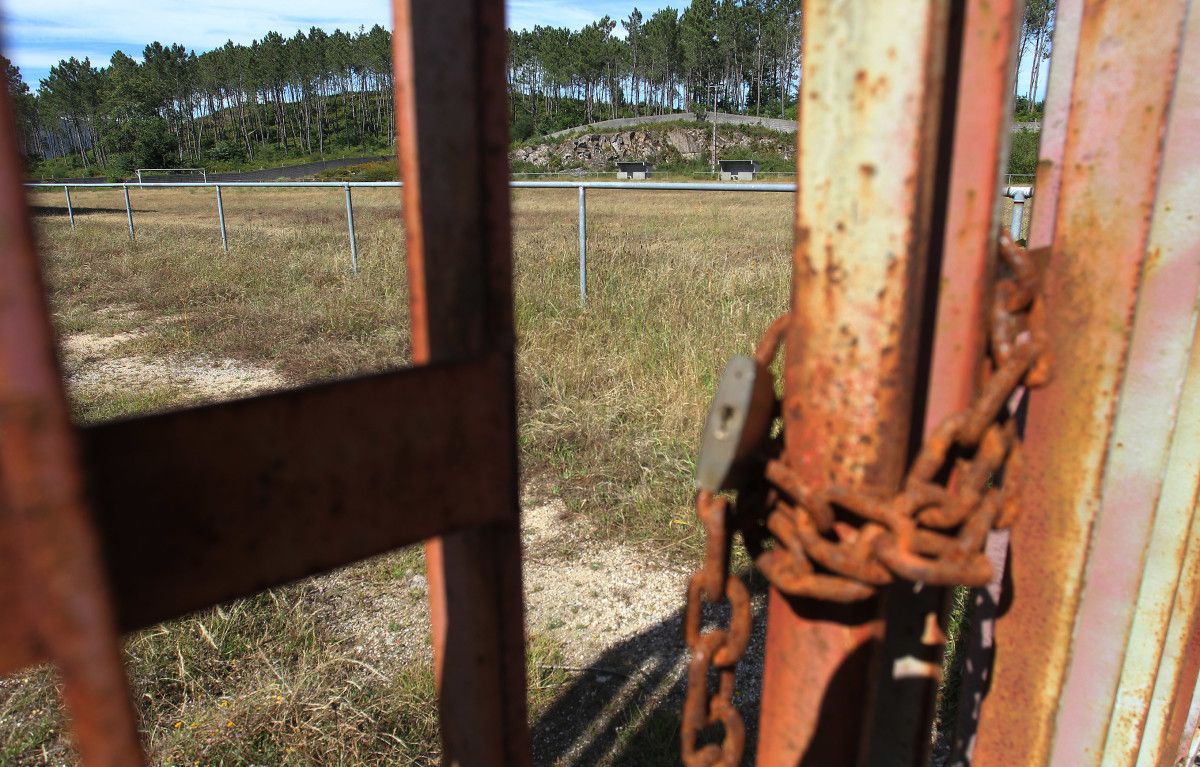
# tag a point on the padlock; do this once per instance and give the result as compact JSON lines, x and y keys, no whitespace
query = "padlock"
{"x":738,"y":424}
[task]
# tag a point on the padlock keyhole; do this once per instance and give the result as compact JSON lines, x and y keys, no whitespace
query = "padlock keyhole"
{"x":725,"y":420}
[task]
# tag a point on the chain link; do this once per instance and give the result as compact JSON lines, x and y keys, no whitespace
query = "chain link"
{"x":715,"y":649}
{"x":842,"y":543}
{"x":964,"y":482}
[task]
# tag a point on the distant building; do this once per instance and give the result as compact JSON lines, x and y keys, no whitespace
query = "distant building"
{"x":738,"y":170}
{"x":633,"y":170}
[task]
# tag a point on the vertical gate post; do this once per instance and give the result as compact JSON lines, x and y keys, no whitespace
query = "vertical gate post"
{"x":981,"y":51}
{"x":350,"y":227}
{"x":128,"y":212}
{"x":221,"y":219}
{"x":582,"y":245}
{"x":54,"y":597}
{"x":452,"y":128}
{"x":1091,"y":575}
{"x":70,"y":210}
{"x":866,"y":156}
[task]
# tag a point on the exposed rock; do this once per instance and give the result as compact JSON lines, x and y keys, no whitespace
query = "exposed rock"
{"x":601,"y":151}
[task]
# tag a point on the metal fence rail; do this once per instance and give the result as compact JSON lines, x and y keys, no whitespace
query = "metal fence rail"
{"x":1019,"y":195}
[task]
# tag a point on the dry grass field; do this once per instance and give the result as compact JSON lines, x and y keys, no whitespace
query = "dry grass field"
{"x":335,"y":670}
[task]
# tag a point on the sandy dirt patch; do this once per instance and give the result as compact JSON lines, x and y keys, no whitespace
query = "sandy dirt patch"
{"x":94,"y":360}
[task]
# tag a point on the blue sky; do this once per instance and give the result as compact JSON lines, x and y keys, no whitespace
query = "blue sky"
{"x":39,"y":33}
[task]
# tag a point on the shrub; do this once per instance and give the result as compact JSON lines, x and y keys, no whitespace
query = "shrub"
{"x":1023,"y":152}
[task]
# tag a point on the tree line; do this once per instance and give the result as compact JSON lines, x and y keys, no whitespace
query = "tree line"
{"x":739,"y":55}
{"x":1037,"y":30}
{"x":315,"y":92}
{"x":296,"y":95}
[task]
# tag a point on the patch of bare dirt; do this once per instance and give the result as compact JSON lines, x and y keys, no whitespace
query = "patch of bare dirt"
{"x":598,"y":595}
{"x":94,"y":360}
{"x":615,"y":612}
{"x":588,"y":600}
{"x":382,"y":621}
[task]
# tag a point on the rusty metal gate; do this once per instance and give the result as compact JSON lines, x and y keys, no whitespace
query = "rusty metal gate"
{"x":939,"y":386}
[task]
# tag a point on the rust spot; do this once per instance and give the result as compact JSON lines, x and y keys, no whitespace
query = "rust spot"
{"x":867,"y":171}
{"x":1153,"y":258}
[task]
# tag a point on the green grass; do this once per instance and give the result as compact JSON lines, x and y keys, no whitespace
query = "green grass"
{"x":265,"y":680}
{"x":266,"y":156}
{"x":93,"y":405}
{"x":1023,"y":151}
{"x":953,"y":664}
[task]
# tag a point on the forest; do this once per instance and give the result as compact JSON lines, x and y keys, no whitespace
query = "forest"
{"x":319,"y":93}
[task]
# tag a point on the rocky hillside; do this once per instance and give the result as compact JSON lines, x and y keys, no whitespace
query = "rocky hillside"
{"x":662,"y":145}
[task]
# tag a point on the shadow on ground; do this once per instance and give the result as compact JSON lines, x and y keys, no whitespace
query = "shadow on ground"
{"x":52,"y":211}
{"x":624,"y":708}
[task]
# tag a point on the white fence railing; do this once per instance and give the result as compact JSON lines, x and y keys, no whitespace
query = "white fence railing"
{"x":1019,"y":195}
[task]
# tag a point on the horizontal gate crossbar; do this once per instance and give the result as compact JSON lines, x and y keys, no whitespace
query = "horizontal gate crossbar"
{"x":205,"y":505}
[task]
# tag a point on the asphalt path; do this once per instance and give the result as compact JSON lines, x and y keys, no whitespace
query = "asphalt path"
{"x":287,"y":172}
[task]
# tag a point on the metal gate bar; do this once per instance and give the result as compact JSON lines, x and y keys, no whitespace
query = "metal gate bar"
{"x":1119,"y":630}
{"x":53,"y":594}
{"x":866,"y":154}
{"x":968,"y":268}
{"x":1097,"y":441}
{"x":452,"y":116}
{"x":213,"y":503}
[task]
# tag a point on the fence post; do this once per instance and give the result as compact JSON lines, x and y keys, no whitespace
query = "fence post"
{"x":70,"y":210}
{"x":350,"y":224}
{"x":221,"y":218}
{"x":129,"y":212}
{"x":1018,"y":214}
{"x":582,"y":245}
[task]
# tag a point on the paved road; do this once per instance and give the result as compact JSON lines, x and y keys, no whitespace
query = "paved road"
{"x":288,"y":172}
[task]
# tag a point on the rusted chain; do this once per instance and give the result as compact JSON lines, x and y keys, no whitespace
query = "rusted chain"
{"x":842,"y":543}
{"x":715,"y":650}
